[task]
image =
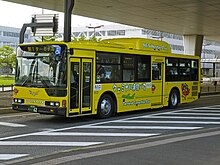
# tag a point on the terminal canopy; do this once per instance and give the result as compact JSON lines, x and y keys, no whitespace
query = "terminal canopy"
{"x":183,"y":17}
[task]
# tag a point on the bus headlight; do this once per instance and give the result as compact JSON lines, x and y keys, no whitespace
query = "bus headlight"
{"x":57,"y":104}
{"x":18,"y":100}
{"x":52,"y":103}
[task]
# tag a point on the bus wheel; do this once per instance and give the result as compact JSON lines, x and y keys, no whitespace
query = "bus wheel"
{"x":173,"y":99}
{"x":105,"y":106}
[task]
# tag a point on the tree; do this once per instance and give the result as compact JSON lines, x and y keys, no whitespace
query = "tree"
{"x":83,"y":38}
{"x":7,"y":59}
{"x":46,"y":39}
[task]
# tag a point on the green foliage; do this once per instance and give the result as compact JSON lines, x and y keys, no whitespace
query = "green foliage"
{"x":46,"y":39}
{"x":6,"y":80}
{"x":83,"y":38}
{"x":7,"y":58}
{"x":93,"y":38}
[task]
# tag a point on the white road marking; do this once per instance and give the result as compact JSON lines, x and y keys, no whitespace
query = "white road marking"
{"x":19,"y":115}
{"x":70,"y":159}
{"x":47,"y":143}
{"x":212,"y":107}
{"x":12,"y":124}
{"x":5,"y":108}
{"x":200,"y":114}
{"x":107,"y":122}
{"x":181,"y":117}
{"x":166,"y":122}
{"x":195,"y":110}
{"x":19,"y":136}
{"x":97,"y":134}
{"x":142,"y":127}
{"x":11,"y":156}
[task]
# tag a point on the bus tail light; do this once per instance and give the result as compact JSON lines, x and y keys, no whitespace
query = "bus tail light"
{"x":63,"y":103}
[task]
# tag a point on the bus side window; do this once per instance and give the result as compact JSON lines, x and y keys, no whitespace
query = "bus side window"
{"x":128,"y":75}
{"x":100,"y":73}
{"x":156,"y":71}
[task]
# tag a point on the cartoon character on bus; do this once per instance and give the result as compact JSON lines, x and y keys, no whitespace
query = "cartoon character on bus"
{"x":185,"y":90}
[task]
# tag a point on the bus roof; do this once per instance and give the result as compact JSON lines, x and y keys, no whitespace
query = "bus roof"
{"x":140,"y":44}
{"x":136,"y":44}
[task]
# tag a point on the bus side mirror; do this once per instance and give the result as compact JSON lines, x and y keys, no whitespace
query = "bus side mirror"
{"x":71,"y":51}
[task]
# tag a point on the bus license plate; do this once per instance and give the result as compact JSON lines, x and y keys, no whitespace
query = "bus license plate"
{"x":32,"y":108}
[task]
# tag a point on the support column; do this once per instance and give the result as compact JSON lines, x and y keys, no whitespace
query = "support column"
{"x":213,"y":72}
{"x":68,"y":7}
{"x":193,"y":44}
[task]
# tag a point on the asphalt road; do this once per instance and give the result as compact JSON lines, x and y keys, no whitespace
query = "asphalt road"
{"x":188,"y":135}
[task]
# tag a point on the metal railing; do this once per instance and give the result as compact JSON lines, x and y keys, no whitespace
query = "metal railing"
{"x":6,"y":88}
{"x":210,"y":87}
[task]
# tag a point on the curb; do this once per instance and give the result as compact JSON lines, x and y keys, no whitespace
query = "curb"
{"x":6,"y":108}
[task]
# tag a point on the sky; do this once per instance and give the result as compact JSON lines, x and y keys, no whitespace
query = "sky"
{"x":15,"y":15}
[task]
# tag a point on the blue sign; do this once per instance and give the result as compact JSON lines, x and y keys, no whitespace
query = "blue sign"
{"x":57,"y":50}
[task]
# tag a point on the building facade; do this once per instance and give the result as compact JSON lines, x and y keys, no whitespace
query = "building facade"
{"x":211,"y":49}
{"x":9,"y":36}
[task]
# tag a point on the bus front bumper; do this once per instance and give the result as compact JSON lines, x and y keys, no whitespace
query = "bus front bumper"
{"x":39,"y":109}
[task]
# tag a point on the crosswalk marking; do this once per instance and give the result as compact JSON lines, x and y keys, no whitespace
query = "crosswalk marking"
{"x":142,"y":127}
{"x":11,"y":124}
{"x":97,"y":134}
{"x":147,"y":125}
{"x":215,"y":107}
{"x":181,"y":117}
{"x":196,"y":114}
{"x":47,"y":143}
{"x":11,"y":156}
{"x":195,"y":110}
{"x":166,"y":122}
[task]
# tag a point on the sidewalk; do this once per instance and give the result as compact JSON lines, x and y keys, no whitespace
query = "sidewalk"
{"x":5,"y":102}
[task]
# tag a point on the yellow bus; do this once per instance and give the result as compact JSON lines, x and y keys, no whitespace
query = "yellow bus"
{"x":103,"y":78}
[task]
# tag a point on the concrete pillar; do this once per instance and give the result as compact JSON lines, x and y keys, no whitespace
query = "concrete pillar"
{"x":193,"y":44}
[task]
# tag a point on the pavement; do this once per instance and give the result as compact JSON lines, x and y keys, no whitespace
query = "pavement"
{"x":5,"y":102}
{"x":200,"y":147}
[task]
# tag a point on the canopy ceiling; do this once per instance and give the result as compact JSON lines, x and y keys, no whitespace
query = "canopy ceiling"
{"x":174,"y":16}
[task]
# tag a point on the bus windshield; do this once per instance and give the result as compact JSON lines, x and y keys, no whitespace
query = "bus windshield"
{"x":41,"y":66}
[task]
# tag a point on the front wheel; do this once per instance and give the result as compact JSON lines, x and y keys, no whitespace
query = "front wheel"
{"x":106,"y":106}
{"x":173,"y":99}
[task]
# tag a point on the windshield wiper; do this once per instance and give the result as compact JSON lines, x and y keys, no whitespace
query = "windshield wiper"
{"x":26,"y":81}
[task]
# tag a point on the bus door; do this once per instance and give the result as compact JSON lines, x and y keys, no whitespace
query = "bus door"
{"x":157,"y":81}
{"x":80,"y":87}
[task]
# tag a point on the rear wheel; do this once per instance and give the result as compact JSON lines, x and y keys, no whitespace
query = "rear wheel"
{"x":106,"y":106}
{"x":174,"y":99}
